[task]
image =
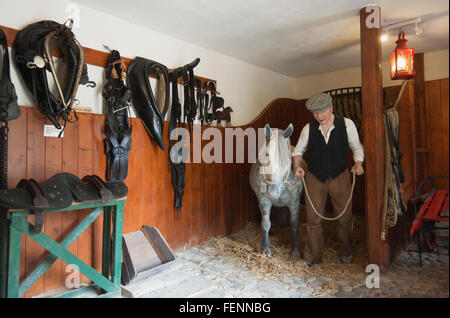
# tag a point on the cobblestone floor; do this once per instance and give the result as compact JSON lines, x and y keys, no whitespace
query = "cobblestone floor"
{"x":195,"y":273}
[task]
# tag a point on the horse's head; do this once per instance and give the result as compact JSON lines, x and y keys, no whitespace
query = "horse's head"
{"x":277,"y":159}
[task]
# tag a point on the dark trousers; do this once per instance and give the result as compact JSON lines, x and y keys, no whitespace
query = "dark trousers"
{"x":339,"y":191}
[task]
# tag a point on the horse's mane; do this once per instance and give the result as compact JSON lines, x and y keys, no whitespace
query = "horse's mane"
{"x":279,"y":153}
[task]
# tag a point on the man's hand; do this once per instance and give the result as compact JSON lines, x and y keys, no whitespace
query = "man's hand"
{"x":358,"y":168}
{"x":299,"y":172}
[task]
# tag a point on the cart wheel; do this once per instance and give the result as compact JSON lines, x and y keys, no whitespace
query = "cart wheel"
{"x":429,"y":237}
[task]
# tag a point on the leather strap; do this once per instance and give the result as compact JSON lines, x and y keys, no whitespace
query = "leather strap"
{"x":200,"y":99}
{"x":40,"y":202}
{"x":177,"y":169}
{"x":190,"y":105}
{"x":98,"y":183}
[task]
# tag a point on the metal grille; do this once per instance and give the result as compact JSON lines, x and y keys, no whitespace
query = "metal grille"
{"x":347,"y":103}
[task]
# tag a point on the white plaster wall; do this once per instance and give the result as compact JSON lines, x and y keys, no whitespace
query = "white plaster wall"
{"x":245,"y":87}
{"x":436,"y":67}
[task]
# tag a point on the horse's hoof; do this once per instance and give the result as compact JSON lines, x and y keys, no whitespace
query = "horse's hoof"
{"x":267,"y":252}
{"x":295,"y":254}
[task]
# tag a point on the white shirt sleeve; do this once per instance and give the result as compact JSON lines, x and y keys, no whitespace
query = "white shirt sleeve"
{"x":302,"y":143}
{"x":353,"y":140}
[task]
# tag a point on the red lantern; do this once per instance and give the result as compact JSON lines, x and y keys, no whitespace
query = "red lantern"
{"x":402,"y":60}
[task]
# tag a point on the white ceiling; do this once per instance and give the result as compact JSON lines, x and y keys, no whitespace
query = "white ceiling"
{"x":291,"y":37}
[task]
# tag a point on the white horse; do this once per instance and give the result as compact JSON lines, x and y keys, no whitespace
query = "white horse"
{"x":274,"y":183}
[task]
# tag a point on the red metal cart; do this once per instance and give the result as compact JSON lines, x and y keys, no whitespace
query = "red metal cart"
{"x":434,"y":209}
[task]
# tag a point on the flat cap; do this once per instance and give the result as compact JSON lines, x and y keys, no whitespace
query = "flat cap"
{"x":319,"y":102}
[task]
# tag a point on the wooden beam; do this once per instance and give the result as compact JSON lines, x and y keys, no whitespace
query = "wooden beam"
{"x":421,"y":119}
{"x":93,"y":57}
{"x":373,"y":137}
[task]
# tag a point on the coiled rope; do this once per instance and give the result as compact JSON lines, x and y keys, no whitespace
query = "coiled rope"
{"x":346,"y":205}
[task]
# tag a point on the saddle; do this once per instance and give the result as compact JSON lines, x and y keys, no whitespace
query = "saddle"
{"x":59,"y":192}
{"x":32,"y":49}
{"x":118,"y":122}
{"x":151,"y":114}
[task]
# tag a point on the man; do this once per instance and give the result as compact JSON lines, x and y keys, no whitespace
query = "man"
{"x":327,"y":139}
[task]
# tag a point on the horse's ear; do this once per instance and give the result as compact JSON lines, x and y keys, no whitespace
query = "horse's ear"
{"x":288,"y":132}
{"x":268,"y":131}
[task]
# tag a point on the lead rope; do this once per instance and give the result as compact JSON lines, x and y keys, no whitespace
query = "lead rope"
{"x":346,"y":205}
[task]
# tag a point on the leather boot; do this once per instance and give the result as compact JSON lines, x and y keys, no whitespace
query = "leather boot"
{"x":313,"y":244}
{"x":344,"y":236}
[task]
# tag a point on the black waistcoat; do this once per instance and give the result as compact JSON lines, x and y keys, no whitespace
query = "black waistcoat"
{"x":327,"y":160}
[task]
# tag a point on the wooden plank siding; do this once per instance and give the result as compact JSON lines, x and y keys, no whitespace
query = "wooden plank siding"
{"x":436,"y":100}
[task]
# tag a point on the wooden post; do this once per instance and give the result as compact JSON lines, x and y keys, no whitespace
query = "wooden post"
{"x":421,"y":119}
{"x":373,"y":133}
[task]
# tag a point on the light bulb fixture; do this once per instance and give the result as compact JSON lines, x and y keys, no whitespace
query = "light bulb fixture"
{"x":417,"y":28}
{"x":385,"y":35}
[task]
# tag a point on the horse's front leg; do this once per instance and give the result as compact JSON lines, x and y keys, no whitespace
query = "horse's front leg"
{"x":294,"y":206}
{"x":265,"y":206}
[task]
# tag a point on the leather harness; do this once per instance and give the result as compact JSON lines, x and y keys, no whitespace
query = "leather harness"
{"x":212,"y":103}
{"x":178,"y":168}
{"x":118,"y":122}
{"x":32,"y":49}
{"x":190,"y":105}
{"x":9,"y":109}
{"x":143,"y":98}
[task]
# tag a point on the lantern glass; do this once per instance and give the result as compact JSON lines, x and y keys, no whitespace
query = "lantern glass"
{"x":402,"y":61}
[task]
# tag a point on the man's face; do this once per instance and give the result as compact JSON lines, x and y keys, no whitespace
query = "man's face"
{"x":324,"y":117}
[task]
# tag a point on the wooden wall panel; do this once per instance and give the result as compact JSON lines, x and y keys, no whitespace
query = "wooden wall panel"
{"x":35,"y":169}
{"x":436,"y":97}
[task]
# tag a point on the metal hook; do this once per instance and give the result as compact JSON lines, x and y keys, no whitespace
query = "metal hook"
{"x":70,"y":20}
{"x":91,"y":84}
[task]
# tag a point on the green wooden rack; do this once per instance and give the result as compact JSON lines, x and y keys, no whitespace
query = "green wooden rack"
{"x":13,"y":223}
